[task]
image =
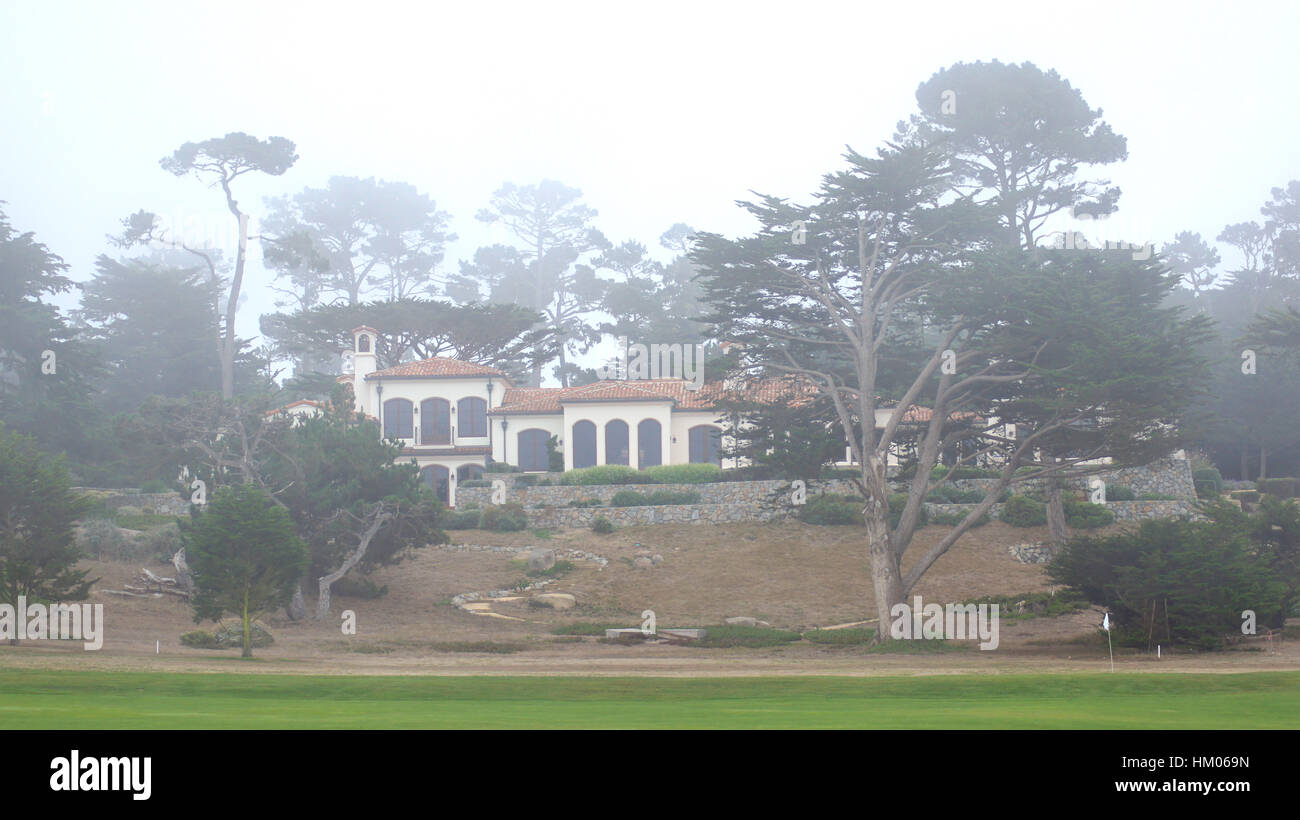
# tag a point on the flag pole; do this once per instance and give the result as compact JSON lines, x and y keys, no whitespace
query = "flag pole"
{"x":1105,"y":624}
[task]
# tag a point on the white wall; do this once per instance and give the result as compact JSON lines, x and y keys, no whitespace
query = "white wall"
{"x":633,"y":413}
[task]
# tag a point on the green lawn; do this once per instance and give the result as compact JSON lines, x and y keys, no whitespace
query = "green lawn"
{"x":110,"y":700}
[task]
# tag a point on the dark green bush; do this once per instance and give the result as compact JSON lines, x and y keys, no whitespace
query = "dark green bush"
{"x":500,"y":467}
{"x":602,"y":525}
{"x":1212,"y":477}
{"x":849,"y":636}
{"x":897,"y":502}
{"x":359,"y":588}
{"x":459,"y":520}
{"x":1279,"y":487}
{"x":832,"y":509}
{"x":474,"y":482}
{"x":155,"y":486}
{"x":1171,"y":581}
{"x":1116,"y":492}
{"x":754,"y":472}
{"x":1023,"y":511}
{"x":974,"y":472}
{"x":198,"y":639}
{"x":949,"y":494}
{"x":504,"y":518}
{"x":586,"y":502}
{"x":1083,"y":515}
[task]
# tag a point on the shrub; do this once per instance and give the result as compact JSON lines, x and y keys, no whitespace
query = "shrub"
{"x":974,"y":472}
{"x":952,"y":519}
{"x":1083,"y":515}
{"x":632,"y":498}
{"x":1249,"y":496}
{"x":161,"y":542}
{"x":358,"y":588}
{"x":849,"y":636}
{"x":460,"y":520}
{"x":1212,"y":479}
{"x":897,"y":502}
{"x":832,"y":509}
{"x":101,"y":539}
{"x":155,"y":486}
{"x":746,"y":636}
{"x":587,"y":628}
{"x":684,"y":473}
{"x":474,"y":482}
{"x":602,"y":526}
{"x":1170,"y":581}
{"x":504,"y":518}
{"x":754,"y":472}
{"x":1279,"y":487}
{"x":586,"y":502}
{"x":500,"y":467}
{"x":949,"y":494}
{"x":528,"y":479}
{"x":1023,"y":511}
{"x":1116,"y":492}
{"x":1157,"y":497}
{"x":606,"y":474}
{"x":198,"y":639}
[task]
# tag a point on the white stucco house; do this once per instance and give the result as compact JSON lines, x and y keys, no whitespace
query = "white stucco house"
{"x":454,"y":417}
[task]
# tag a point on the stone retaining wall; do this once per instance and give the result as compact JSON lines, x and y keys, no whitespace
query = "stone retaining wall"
{"x":155,"y":503}
{"x":719,"y":502}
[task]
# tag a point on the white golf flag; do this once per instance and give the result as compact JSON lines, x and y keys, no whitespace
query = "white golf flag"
{"x":1105,"y":622}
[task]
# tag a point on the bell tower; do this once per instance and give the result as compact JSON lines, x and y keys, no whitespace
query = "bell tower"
{"x":363,"y":364}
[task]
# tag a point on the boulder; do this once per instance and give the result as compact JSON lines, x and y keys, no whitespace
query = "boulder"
{"x":656,"y":559}
{"x":541,"y":559}
{"x":556,"y":600}
{"x":230,"y":634}
{"x":642,"y":562}
{"x":744,"y":620}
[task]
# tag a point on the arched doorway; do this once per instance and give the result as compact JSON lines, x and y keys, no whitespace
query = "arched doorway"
{"x":649,"y":444}
{"x":584,"y":444}
{"x":616,"y":443}
{"x":435,"y":478}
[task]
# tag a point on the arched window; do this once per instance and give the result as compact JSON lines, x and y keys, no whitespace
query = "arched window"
{"x":705,"y":440}
{"x":649,"y":441}
{"x":435,"y":421}
{"x":398,"y":419}
{"x":435,"y":477}
{"x":616,"y":449}
{"x":532,"y":450}
{"x":469,"y":472}
{"x":471,"y":417}
{"x":363,"y":343}
{"x":583,"y":442}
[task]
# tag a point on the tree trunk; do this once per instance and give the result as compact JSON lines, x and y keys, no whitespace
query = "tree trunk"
{"x":326,"y":581}
{"x":232,"y":307}
{"x":886,"y":577}
{"x":297,"y":608}
{"x":1055,"y":514}
{"x":1243,"y":472}
{"x":1263,"y":463}
{"x":184,"y":579}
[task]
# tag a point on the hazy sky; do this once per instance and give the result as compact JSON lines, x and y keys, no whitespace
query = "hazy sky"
{"x":660,"y":112}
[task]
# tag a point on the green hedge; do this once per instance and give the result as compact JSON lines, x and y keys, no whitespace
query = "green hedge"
{"x":632,"y":498}
{"x":602,"y":525}
{"x":1023,"y":511}
{"x":952,"y":519}
{"x":1212,"y":480}
{"x":474,"y":482}
{"x":684,"y":473}
{"x":606,"y":474}
{"x":460,"y":520}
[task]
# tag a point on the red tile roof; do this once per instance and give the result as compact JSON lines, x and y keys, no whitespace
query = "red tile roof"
{"x":526,"y":400}
{"x":436,"y":368}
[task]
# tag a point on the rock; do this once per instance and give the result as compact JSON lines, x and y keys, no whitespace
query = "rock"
{"x":656,"y":559}
{"x":556,"y":600}
{"x":642,"y":562}
{"x":541,"y":559}
{"x":231,"y":634}
{"x":744,"y":620}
